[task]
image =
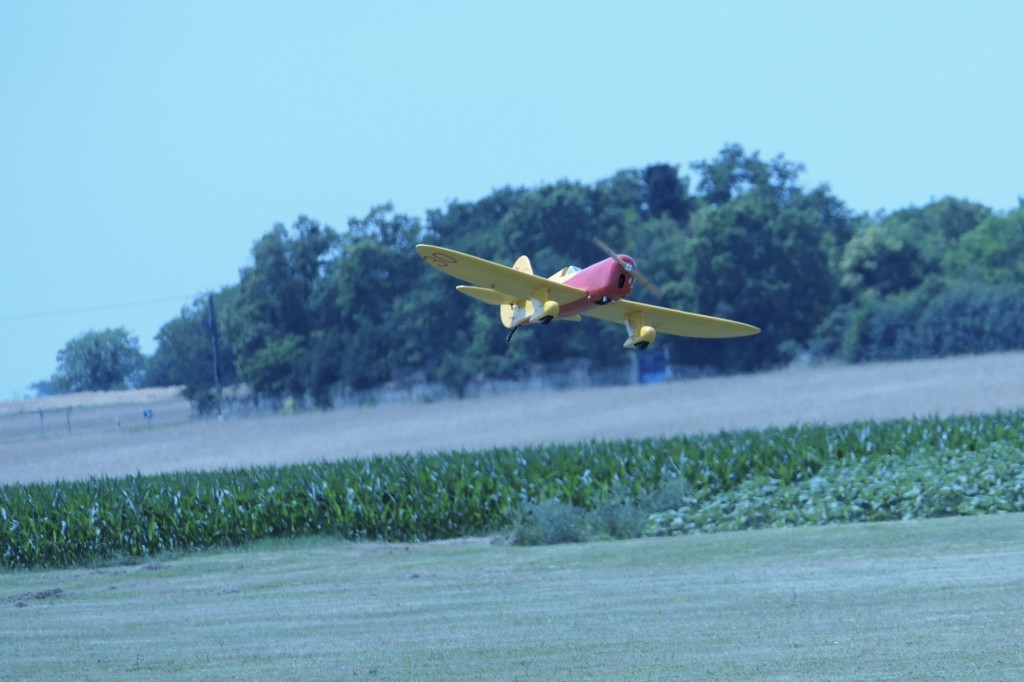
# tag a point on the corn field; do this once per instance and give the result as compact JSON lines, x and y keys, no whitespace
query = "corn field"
{"x":428,"y":497}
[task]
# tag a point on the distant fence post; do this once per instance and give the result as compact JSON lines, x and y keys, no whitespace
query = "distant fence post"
{"x":42,"y":428}
{"x":69,"y":419}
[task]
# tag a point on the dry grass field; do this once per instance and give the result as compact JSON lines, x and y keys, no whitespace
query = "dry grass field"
{"x":90,"y":399}
{"x":832,"y":394}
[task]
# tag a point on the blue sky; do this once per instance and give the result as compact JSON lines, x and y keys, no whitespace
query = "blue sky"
{"x":144,"y":147}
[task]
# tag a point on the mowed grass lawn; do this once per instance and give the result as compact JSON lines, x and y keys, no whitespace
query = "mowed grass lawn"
{"x":938,"y":599}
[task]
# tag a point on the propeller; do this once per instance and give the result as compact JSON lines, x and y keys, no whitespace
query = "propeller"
{"x":627,"y":268}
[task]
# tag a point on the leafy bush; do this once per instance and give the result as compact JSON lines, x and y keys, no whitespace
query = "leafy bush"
{"x":551,"y":522}
{"x":933,"y":321}
{"x":973,"y":318}
{"x":924,"y":484}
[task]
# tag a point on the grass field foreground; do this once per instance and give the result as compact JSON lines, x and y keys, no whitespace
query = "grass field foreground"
{"x":933,"y":599}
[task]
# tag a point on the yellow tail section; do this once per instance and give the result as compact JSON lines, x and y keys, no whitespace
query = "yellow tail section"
{"x":522,"y":264}
{"x":513,"y":313}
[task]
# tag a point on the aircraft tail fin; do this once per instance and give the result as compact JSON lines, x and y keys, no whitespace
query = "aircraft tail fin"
{"x":512,"y":313}
{"x":522,"y":264}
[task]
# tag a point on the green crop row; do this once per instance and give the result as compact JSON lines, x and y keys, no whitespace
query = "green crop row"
{"x":407,"y":498}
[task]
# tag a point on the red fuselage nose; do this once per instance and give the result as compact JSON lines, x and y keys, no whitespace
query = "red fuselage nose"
{"x":604,"y":282}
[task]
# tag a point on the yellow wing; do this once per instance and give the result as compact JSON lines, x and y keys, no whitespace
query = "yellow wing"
{"x":669,"y":321}
{"x":515,"y":285}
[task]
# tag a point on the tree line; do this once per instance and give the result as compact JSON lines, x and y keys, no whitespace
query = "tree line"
{"x":318,"y":309}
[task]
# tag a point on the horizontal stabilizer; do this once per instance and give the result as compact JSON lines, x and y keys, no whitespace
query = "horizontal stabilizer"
{"x":486,"y":295}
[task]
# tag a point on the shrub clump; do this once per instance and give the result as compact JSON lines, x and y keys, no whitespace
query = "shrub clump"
{"x":552,"y":521}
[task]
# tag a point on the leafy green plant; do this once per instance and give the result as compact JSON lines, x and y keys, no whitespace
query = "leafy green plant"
{"x":924,"y":484}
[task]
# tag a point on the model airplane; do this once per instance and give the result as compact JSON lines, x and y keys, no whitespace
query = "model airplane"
{"x":595,"y":291}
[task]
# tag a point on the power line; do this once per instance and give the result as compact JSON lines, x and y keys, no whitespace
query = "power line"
{"x":92,"y":309}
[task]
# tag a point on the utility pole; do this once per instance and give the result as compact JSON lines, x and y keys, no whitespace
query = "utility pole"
{"x":216,"y":348}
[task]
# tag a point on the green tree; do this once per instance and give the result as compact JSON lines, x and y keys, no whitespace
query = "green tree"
{"x":934,"y":229}
{"x":272,"y":325}
{"x":725,"y":177}
{"x":184,"y":354}
{"x":972,"y":317}
{"x":553,"y":225}
{"x":875,"y":259}
{"x":463,"y":340}
{"x":100,"y":361}
{"x":760,"y":253}
{"x":620,"y":203}
{"x":927,"y":281}
{"x":666,"y":194}
{"x":937,"y":318}
{"x":44,"y":388}
{"x":472,"y":227}
{"x":275,"y":367}
{"x":316,"y":309}
{"x":361,"y":338}
{"x":991,"y":252}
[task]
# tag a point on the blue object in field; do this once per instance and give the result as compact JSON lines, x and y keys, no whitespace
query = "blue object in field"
{"x":652,"y":366}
